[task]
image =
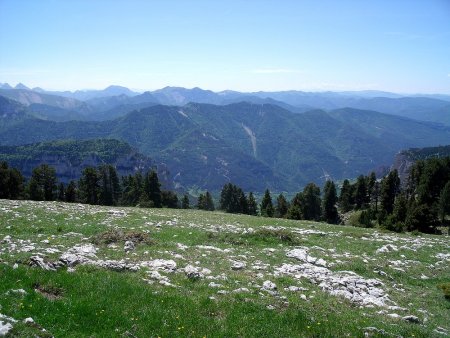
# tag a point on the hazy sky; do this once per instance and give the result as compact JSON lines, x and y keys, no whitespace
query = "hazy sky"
{"x":248,"y":45}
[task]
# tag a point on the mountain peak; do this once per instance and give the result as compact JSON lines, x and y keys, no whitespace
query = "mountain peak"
{"x":5,"y":86}
{"x":21,"y":86}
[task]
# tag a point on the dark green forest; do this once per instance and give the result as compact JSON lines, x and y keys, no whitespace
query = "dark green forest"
{"x":422,"y":204}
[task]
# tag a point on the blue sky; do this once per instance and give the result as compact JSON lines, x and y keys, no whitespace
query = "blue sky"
{"x":247,"y":45}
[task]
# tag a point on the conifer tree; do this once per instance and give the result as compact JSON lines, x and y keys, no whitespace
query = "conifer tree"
{"x":371,"y":180}
{"x":390,"y":187}
{"x":252,"y":206}
{"x":360,"y":193}
{"x":61,"y":192}
{"x":266,"y":205}
{"x":345,"y":198}
{"x":169,"y":199}
{"x":11,"y":182}
{"x":209,"y":204}
{"x":42,"y":185}
{"x":444,"y":202}
{"x":311,"y":206}
{"x":185,"y":202}
{"x":152,"y":188}
{"x":71,"y":192}
{"x":282,"y":206}
{"x":330,"y":214}
{"x":295,"y":210}
{"x":89,"y":186}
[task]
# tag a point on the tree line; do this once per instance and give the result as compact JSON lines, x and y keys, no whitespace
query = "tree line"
{"x":97,"y":185}
{"x":422,"y":204}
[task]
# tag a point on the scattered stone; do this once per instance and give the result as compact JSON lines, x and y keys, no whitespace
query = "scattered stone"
{"x":160,"y":264}
{"x":28,"y":320}
{"x":364,"y":292}
{"x":268,"y":285}
{"x":5,"y":327}
{"x":411,"y":319}
{"x":129,"y":246}
{"x":393,"y":315}
{"x":192,"y":272}
{"x":371,"y":329}
{"x":15,"y":266}
{"x":302,"y":255}
{"x":240,"y":290}
{"x":79,"y":254}
{"x":37,"y":261}
{"x":238,"y":265}
{"x":387,"y":248}
{"x":215,"y":285}
{"x":18,"y":291}
{"x":270,"y":307}
{"x":441,"y":330}
{"x":293,"y":288}
{"x":302,"y":296}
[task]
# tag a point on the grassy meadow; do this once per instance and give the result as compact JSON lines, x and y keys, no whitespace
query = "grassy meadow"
{"x":192,"y":273}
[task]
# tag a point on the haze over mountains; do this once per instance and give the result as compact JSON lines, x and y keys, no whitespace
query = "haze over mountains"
{"x":277,"y":140}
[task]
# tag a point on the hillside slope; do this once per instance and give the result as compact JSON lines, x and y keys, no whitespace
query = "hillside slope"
{"x":70,"y":157}
{"x":267,"y":146}
{"x":82,"y":270}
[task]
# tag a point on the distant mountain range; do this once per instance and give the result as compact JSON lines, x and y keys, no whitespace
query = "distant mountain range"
{"x":116,"y":101}
{"x":255,"y":145}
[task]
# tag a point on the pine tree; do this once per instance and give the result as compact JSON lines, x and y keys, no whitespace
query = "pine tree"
{"x":444,"y":202}
{"x":42,"y":185}
{"x":345,"y":198}
{"x":311,"y":206}
{"x":370,"y":183}
{"x":360,"y":193}
{"x":89,"y":186}
{"x":152,"y":188}
{"x":330,"y":214}
{"x":390,"y":187}
{"x":169,"y":199}
{"x":71,"y":192}
{"x":243,"y":203}
{"x":225,"y":197}
{"x":185,"y":202}
{"x":209,"y":204}
{"x":201,"y":202}
{"x":61,"y":192}
{"x":252,"y":206}
{"x":266,"y":205}
{"x":11,"y":182}
{"x":282,"y":206}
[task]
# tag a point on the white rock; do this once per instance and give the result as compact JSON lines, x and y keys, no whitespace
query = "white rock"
{"x":268,"y":285}
{"x":387,"y":248}
{"x":38,"y":261}
{"x":238,"y":265}
{"x":239,"y":290}
{"x":393,"y":315}
{"x":192,"y":272}
{"x":215,"y":285}
{"x":28,"y":320}
{"x":160,"y":264}
{"x":129,"y":246}
{"x":5,"y":328}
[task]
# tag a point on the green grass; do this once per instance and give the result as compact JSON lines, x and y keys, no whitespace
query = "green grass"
{"x":95,"y":302}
